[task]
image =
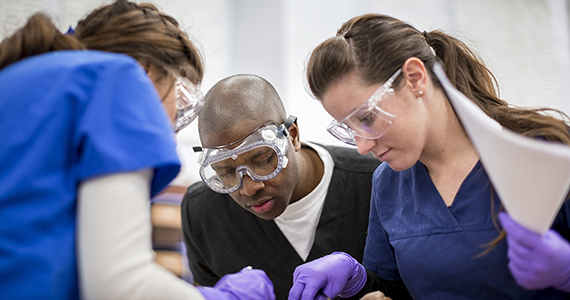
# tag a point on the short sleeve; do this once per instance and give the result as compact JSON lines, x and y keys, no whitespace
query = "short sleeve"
{"x":122,"y":126}
{"x":378,"y":253}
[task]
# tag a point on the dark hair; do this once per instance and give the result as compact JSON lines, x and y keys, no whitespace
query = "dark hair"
{"x":38,"y":36}
{"x":374,"y":46}
{"x":141,"y":31}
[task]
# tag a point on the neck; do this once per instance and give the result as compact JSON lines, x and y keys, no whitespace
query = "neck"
{"x":448,"y":143}
{"x":311,"y":170}
{"x":449,"y":154}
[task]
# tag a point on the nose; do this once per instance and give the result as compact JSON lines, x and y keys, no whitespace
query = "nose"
{"x":250,"y":186}
{"x":364,"y":145}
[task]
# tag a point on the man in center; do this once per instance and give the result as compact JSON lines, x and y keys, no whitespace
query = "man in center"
{"x":266,"y":199}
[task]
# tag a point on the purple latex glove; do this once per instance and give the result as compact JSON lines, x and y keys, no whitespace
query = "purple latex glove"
{"x":250,"y":284}
{"x":537,"y":262}
{"x":337,"y":274}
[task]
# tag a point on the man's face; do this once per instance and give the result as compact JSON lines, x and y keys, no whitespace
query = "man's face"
{"x":266,"y":199}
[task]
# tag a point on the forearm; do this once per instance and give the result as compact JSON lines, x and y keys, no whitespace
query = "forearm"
{"x":115,"y":257}
{"x":393,"y":289}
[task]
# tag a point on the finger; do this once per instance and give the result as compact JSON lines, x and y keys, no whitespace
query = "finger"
{"x":521,"y":276}
{"x":246,"y":269}
{"x":520,"y":264}
{"x":296,"y":273}
{"x":322,"y":297}
{"x":552,"y":235}
{"x":524,"y":279}
{"x":517,"y":233}
{"x":517,"y":250}
{"x":373,"y":296}
{"x":296,"y":291}
{"x":309,"y":293}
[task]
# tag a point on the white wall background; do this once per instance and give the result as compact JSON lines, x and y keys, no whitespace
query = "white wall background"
{"x":526,"y":43}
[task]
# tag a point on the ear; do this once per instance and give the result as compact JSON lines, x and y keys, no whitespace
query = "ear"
{"x":146,"y":66}
{"x":151,"y":72}
{"x":294,"y":135}
{"x":154,"y":73}
{"x":415,"y":72}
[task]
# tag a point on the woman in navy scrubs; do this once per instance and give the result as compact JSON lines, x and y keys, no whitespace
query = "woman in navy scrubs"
{"x":433,"y":208}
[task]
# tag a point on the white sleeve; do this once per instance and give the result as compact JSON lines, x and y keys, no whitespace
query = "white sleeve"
{"x":114,"y":248}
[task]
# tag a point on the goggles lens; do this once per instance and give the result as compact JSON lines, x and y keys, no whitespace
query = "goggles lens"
{"x":372,"y":119}
{"x":189,"y":102}
{"x":260,"y":155}
{"x":260,"y":163}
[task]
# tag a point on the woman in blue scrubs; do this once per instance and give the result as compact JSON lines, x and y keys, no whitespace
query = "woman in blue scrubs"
{"x":87,"y":140}
{"x":433,"y":208}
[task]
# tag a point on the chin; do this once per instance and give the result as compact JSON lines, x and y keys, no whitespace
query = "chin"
{"x":270,"y":215}
{"x":399,"y":166}
{"x":265,"y":216}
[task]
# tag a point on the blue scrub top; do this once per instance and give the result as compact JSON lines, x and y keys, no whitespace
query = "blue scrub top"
{"x":436,"y":250}
{"x":68,"y":116}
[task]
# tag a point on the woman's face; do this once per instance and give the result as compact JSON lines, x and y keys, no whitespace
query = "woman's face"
{"x":402,"y":144}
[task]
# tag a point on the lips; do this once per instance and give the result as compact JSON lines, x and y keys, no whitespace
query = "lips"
{"x":263,"y":206}
{"x":383,"y":155}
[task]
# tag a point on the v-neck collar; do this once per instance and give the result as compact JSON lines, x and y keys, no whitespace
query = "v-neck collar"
{"x":437,"y":196}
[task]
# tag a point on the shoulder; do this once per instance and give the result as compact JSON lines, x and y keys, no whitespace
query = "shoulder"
{"x":83,"y":69}
{"x":199,"y":198}
{"x":350,"y":160}
{"x":92,"y":58}
{"x":107,"y":67}
{"x":204,"y":210}
{"x":74,"y":59}
{"x":198,"y":191}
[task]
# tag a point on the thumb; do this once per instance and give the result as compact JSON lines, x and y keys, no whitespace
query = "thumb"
{"x":517,"y":233}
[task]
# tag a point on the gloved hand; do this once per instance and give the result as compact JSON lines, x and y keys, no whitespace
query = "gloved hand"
{"x":250,"y":284}
{"x":537,"y":262}
{"x":337,"y":274}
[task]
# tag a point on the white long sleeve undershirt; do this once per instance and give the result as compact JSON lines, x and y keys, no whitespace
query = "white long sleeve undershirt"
{"x":114,"y":248}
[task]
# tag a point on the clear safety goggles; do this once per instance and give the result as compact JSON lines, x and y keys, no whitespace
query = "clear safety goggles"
{"x":189,"y":102}
{"x":261,"y":155}
{"x":372,"y":119}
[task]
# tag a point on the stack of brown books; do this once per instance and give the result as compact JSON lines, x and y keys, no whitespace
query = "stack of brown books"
{"x":167,"y":231}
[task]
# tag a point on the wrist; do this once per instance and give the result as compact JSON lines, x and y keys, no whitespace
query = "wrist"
{"x":355,"y":282}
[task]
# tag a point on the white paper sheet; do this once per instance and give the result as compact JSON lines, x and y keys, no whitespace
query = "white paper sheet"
{"x":532,"y":177}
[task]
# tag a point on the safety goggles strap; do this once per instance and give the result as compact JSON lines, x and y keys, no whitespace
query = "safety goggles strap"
{"x":289,"y":121}
{"x":287,"y":124}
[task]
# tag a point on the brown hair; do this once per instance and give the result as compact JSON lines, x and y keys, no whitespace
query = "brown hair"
{"x":141,"y":31}
{"x":38,"y":36}
{"x":374,"y":46}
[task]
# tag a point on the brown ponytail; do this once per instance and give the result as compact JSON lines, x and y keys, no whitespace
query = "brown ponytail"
{"x":38,"y":36}
{"x":375,"y":46}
